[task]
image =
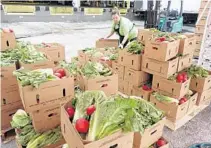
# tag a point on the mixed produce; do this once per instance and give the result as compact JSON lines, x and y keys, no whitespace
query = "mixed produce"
{"x":37,"y":77}
{"x":24,"y":52}
{"x":164,"y":36}
{"x":27,"y":136}
{"x":97,"y":116}
{"x":72,"y":67}
{"x":93,"y":69}
{"x":135,"y":47}
{"x":197,"y":72}
{"x":161,"y":142}
{"x":179,"y":77}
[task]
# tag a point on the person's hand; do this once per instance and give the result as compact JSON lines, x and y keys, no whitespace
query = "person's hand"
{"x":120,"y":46}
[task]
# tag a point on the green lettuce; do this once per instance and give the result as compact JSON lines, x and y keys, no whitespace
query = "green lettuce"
{"x":20,"y":119}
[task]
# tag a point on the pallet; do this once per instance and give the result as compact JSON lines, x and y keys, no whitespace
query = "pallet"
{"x":179,"y":123}
{"x":8,"y":135}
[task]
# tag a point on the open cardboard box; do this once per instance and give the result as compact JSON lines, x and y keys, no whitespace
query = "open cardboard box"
{"x":7,"y":111}
{"x":47,"y":94}
{"x":199,"y":36}
{"x":150,"y":135}
{"x":201,"y":84}
{"x":55,"y":51}
{"x":187,"y":45}
{"x":56,"y":145}
{"x":135,"y":77}
{"x":204,"y":98}
{"x":47,"y":118}
{"x":8,"y":40}
{"x":73,"y":139}
{"x":119,"y":69}
{"x":138,"y":91}
{"x":184,"y":62}
{"x":107,"y":84}
{"x":163,"y":69}
{"x":48,"y":63}
{"x":10,"y":95}
{"x":144,"y":35}
{"x":169,"y":87}
{"x":161,"y":51}
{"x":172,"y":111}
{"x":102,"y":43}
{"x":121,"y":85}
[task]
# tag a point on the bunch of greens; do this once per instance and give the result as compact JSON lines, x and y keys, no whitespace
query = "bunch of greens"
{"x":119,"y":114}
{"x":165,"y":36}
{"x":9,"y":57}
{"x":46,"y":138}
{"x":71,"y":67}
{"x":20,"y":119}
{"x":34,"y":77}
{"x":163,"y":98}
{"x":135,"y":47}
{"x":197,"y":72}
{"x":93,"y":69}
{"x":84,"y":100}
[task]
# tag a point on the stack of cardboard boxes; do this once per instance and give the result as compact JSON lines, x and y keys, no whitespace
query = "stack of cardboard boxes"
{"x":10,"y":98}
{"x":205,"y":6}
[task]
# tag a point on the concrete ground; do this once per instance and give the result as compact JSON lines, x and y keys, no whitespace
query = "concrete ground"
{"x":77,"y":36}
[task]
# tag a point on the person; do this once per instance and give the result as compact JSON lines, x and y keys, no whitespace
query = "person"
{"x":124,"y":28}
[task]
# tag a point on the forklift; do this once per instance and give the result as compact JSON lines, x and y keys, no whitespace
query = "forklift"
{"x":166,"y":21}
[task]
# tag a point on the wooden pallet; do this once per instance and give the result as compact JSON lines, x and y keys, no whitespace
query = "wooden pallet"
{"x":8,"y":135}
{"x":179,"y":123}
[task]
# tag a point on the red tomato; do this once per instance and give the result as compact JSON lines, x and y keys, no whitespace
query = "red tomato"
{"x":90,"y":110}
{"x":181,"y":101}
{"x":61,"y":71}
{"x":180,"y":78}
{"x":82,"y":125}
{"x":70,"y":111}
{"x":185,"y":99}
{"x":162,"y":39}
{"x":58,"y":75}
{"x":161,"y":142}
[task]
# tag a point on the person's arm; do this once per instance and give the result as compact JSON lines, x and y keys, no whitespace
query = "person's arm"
{"x":125,"y":39}
{"x":112,"y":32}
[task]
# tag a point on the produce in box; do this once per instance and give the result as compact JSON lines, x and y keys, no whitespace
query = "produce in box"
{"x":135,"y":47}
{"x":93,"y":69}
{"x":71,"y":67}
{"x":27,"y":136}
{"x":160,"y":143}
{"x":98,"y":116}
{"x":197,"y":72}
{"x":179,"y":77}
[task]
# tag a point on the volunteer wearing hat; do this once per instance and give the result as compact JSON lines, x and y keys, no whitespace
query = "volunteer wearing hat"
{"x":124,"y":28}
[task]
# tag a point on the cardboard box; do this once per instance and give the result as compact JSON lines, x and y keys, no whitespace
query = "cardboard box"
{"x":10,"y":95}
{"x":133,"y":61}
{"x":8,"y":40}
{"x":106,"y":62}
{"x":172,"y":111}
{"x":205,"y":3}
{"x":103,"y":43}
{"x":198,"y":44}
{"x":7,"y":77}
{"x":7,"y":111}
{"x":163,"y":69}
{"x":205,"y":12}
{"x":121,"y":85}
{"x":56,"y":145}
{"x":202,"y":21}
{"x":72,"y":137}
{"x":138,"y":91}
{"x":150,"y":135}
{"x":55,"y":51}
{"x":204,"y":98}
{"x":47,"y":118}
{"x":39,"y":64}
{"x":136,"y":77}
{"x":121,"y":57}
{"x":170,"y":88}
{"x":161,"y":51}
{"x":192,"y":101}
{"x":184,"y":62}
{"x":199,"y":36}
{"x":119,"y":69}
{"x":199,"y":29}
{"x":144,"y":35}
{"x":108,"y":84}
{"x":187,"y":45}
{"x":201,"y":84}
{"x":40,"y":97}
